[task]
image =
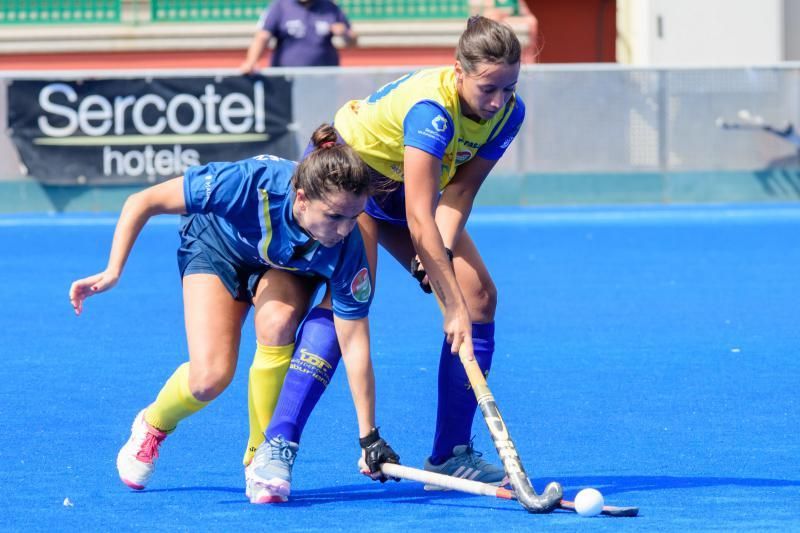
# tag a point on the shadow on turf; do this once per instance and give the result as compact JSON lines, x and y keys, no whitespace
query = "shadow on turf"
{"x":409,"y":492}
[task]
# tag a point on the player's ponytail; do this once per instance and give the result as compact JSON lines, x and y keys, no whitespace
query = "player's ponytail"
{"x":487,"y":41}
{"x":332,"y":166}
{"x":324,"y":136}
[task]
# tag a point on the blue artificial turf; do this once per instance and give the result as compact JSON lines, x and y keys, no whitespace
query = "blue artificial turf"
{"x":651,"y":353}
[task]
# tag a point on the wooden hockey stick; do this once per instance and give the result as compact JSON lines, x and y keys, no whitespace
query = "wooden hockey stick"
{"x":483,"y":489}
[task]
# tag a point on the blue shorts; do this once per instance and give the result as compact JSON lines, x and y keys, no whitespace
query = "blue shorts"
{"x":389,"y":207}
{"x":203,"y":251}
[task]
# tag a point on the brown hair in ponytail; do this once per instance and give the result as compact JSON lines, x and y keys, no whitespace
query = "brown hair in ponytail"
{"x":331,"y":167}
{"x":487,"y":41}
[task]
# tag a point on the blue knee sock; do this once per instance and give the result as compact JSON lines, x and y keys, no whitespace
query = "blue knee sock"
{"x":457,"y":403}
{"x":315,"y":358}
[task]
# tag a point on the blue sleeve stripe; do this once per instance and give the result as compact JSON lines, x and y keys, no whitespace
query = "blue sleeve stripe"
{"x":422,"y":115}
{"x":190,"y":194}
{"x":435,"y":151}
{"x":439,"y":106}
{"x":501,"y":137}
{"x":503,"y":121}
{"x":187,"y":196}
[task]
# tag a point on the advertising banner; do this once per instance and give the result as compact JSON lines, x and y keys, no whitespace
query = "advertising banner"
{"x":124,"y":131}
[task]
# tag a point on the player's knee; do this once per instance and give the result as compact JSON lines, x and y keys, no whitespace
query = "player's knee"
{"x":278,"y":328}
{"x":208,"y":382}
{"x":483,"y":302}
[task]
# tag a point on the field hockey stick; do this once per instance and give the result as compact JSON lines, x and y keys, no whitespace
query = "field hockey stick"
{"x":526,"y":495}
{"x":482,"y":489}
{"x":732,"y":125}
{"x":756,"y":123}
{"x":748,"y":121}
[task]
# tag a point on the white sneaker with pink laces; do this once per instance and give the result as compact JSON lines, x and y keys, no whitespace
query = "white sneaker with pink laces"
{"x":136,"y":461}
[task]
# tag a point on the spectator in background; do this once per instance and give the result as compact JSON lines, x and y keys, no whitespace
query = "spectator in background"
{"x":303,"y":32}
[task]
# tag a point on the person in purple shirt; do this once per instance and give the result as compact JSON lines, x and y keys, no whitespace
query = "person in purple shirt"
{"x":303,"y":32}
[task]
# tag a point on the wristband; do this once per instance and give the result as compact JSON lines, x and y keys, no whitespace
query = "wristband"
{"x":370,"y":439}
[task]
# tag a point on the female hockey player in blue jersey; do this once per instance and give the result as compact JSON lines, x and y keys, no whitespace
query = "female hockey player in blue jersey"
{"x":431,"y":138}
{"x":257,"y":232}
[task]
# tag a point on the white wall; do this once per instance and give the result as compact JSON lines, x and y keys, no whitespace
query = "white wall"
{"x":791,"y":25}
{"x":702,"y":32}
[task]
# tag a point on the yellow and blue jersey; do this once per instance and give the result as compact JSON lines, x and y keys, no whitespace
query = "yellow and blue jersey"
{"x":248,"y":206}
{"x":422,"y":109}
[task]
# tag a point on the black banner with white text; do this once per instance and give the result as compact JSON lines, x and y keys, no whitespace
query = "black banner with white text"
{"x":124,"y":131}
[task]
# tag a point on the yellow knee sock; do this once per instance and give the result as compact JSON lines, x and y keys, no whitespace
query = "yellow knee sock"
{"x":174,"y":403}
{"x":266,"y":379}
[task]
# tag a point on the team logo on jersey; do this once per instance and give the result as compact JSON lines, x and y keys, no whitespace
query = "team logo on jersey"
{"x":360,"y":287}
{"x":439,"y":123}
{"x":507,"y":142}
{"x":462,"y":156}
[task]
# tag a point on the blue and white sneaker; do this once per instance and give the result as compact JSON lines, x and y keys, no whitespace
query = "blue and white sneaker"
{"x":466,"y":463}
{"x":269,"y":475}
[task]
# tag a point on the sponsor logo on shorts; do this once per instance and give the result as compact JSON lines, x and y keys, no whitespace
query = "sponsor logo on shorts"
{"x":360,"y":287}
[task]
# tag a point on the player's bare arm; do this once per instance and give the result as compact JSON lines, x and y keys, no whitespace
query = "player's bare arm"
{"x":458,"y":198}
{"x":164,"y":198}
{"x":421,"y":181}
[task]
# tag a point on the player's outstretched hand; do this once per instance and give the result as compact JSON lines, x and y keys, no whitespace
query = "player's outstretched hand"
{"x":374,"y":452}
{"x":83,"y":288}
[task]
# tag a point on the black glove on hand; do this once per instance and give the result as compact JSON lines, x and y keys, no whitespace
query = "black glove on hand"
{"x":376,"y":452}
{"x":418,"y":272}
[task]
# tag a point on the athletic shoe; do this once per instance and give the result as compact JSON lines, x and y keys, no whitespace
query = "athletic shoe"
{"x":269,"y":476}
{"x":249,"y":484}
{"x":136,"y":461}
{"x":259,"y":493}
{"x":466,"y":463}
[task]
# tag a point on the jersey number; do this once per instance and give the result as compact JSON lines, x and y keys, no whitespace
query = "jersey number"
{"x":386,"y":89}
